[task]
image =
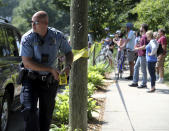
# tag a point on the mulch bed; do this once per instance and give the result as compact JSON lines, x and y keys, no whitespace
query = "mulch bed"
{"x":95,"y":124}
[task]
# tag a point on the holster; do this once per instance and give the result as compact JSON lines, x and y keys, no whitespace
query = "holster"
{"x":50,"y":80}
{"x":22,"y":74}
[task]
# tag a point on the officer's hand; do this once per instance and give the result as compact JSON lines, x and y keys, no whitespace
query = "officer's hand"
{"x":55,"y":74}
{"x":66,"y":70}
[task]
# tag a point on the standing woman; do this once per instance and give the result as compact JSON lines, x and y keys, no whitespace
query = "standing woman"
{"x":151,"y":57}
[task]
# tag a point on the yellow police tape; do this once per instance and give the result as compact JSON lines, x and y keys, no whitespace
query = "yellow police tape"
{"x":83,"y":52}
{"x":77,"y":55}
{"x":80,"y":53}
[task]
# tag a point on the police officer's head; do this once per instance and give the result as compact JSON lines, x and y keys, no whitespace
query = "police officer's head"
{"x":40,"y":23}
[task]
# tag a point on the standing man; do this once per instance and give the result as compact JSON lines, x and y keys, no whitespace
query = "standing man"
{"x":141,"y":60}
{"x":39,"y":48}
{"x":161,"y":58}
{"x":130,"y":46}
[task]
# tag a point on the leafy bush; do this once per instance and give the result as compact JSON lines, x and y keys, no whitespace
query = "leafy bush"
{"x":91,"y":89}
{"x":99,"y":68}
{"x":166,"y":64}
{"x":55,"y":128}
{"x":92,"y":106}
{"x":95,"y":78}
{"x":61,"y":111}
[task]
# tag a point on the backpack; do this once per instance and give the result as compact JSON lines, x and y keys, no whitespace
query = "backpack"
{"x":159,"y":50}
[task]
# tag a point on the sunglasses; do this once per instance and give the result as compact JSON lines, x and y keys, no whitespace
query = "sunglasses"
{"x":35,"y":22}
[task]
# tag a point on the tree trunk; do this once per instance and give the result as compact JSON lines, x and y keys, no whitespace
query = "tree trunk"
{"x":78,"y":79}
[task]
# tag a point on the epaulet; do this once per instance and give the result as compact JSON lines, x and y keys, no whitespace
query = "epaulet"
{"x":29,"y":33}
{"x":27,"y":36}
{"x":57,"y":32}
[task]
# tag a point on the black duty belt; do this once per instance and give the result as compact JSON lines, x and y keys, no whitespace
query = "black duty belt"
{"x":43,"y":77}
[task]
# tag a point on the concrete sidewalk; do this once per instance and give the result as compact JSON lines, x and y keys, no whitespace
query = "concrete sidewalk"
{"x":147,"y":111}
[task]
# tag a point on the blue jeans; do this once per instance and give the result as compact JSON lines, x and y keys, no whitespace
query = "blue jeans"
{"x":151,"y":69}
{"x":141,"y":61}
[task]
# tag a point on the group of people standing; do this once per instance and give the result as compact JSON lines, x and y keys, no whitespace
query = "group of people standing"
{"x":146,"y":47}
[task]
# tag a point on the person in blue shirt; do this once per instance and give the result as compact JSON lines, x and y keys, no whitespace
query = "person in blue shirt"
{"x":130,"y":42}
{"x":151,"y":57}
{"x":39,"y":49}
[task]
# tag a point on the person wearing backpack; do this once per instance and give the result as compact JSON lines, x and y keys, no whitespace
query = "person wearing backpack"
{"x":161,"y":58}
{"x":151,"y":57}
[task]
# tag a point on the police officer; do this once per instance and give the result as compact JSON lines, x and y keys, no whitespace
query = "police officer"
{"x":39,"y":48}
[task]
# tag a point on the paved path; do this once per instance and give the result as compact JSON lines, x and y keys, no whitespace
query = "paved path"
{"x":147,"y":111}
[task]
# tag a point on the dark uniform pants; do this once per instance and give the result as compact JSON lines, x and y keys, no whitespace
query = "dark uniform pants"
{"x":32,"y":91}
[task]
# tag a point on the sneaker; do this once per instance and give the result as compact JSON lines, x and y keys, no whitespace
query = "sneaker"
{"x":133,"y":85}
{"x":160,"y":80}
{"x":142,"y":86}
{"x":129,"y":78}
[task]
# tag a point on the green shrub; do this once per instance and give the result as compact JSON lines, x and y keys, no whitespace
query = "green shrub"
{"x":95,"y":78}
{"x":100,"y":68}
{"x":55,"y":128}
{"x":92,"y":106}
{"x":91,"y":89}
{"x":61,"y":111}
{"x":166,"y":64}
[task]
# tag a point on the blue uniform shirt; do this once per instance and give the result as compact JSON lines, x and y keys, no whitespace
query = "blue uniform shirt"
{"x":35,"y":47}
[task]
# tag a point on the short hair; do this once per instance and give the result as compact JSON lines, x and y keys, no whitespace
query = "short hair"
{"x":149,"y":33}
{"x":162,"y":30}
{"x":145,"y":26}
{"x":129,"y":25}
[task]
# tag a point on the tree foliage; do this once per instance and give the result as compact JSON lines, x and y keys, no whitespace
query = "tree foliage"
{"x":1,"y":3}
{"x":99,"y":13}
{"x":62,"y":4}
{"x":7,"y":7}
{"x":155,"y":15}
{"x":23,"y":13}
{"x":109,"y":13}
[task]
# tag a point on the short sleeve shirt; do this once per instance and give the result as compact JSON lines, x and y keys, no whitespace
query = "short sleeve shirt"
{"x":143,"y":41}
{"x":163,"y":41}
{"x":131,"y":42}
{"x":44,"y":51}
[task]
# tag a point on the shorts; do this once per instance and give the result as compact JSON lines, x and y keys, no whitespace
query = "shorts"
{"x":160,"y":62}
{"x":131,"y":55}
